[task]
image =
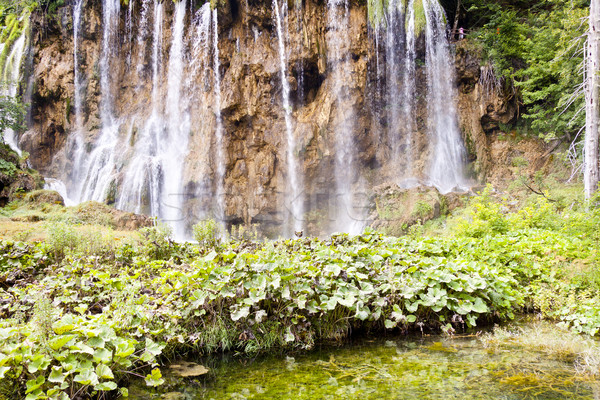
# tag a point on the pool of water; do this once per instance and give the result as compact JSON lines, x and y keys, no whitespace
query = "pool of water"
{"x":434,"y":367}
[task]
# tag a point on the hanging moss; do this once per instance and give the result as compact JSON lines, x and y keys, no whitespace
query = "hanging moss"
{"x":376,"y":10}
{"x":420,"y":19}
{"x":13,"y":30}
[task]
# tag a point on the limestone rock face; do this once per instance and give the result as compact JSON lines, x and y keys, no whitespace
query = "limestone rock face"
{"x":482,"y":107}
{"x":251,"y":106}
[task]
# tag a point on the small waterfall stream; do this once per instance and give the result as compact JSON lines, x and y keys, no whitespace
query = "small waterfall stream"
{"x":409,"y":89}
{"x":446,"y":170}
{"x":99,"y":165}
{"x":10,"y":81}
{"x":219,"y":140}
{"x":346,"y":219}
{"x":294,"y":202}
{"x":143,"y":177}
{"x":174,"y":144}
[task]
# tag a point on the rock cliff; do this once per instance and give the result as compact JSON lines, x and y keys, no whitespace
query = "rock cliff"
{"x":253,"y":119}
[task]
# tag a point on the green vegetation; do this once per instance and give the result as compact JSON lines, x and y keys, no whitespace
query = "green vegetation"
{"x":86,"y":310}
{"x":12,"y":115}
{"x":536,"y":51}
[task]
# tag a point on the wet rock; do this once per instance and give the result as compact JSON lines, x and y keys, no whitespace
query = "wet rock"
{"x":188,"y":369}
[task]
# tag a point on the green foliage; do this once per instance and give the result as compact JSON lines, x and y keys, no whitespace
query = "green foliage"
{"x":484,"y":217}
{"x":538,"y":50}
{"x":12,"y":115}
{"x":157,"y":241}
{"x":207,"y":233}
{"x":8,"y":168}
{"x":77,"y":318}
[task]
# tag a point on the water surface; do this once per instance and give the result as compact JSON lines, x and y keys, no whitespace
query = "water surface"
{"x":435,"y":367}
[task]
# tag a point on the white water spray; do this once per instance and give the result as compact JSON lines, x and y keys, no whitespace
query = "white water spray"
{"x":10,"y":82}
{"x":447,"y":157}
{"x":220,"y":150}
{"x":346,"y":220}
{"x":294,"y":202}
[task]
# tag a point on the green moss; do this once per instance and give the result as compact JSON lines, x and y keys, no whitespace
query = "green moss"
{"x":420,"y":19}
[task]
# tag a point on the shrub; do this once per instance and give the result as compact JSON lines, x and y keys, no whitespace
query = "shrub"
{"x":207,"y":233}
{"x":157,"y":241}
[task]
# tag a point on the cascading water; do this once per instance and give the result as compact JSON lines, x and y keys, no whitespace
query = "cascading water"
{"x":446,"y":149}
{"x":294,"y":202}
{"x":156,"y":163}
{"x":10,"y":81}
{"x":409,"y":90}
{"x":174,"y":145}
{"x":346,"y":218}
{"x":220,"y":150}
{"x":144,"y":174}
{"x":78,"y":90}
{"x":75,"y":141}
{"x":99,"y":169}
{"x":138,"y":158}
{"x":447,"y":157}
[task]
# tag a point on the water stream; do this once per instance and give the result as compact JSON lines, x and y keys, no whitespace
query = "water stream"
{"x":294,"y":202}
{"x":338,"y":46}
{"x":219,"y":139}
{"x":10,"y":81}
{"x":446,"y":170}
{"x":429,"y":367}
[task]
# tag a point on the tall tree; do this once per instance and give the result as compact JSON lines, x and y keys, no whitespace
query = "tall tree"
{"x":592,"y":102}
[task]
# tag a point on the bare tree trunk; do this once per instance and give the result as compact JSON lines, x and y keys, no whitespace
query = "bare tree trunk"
{"x":592,"y":102}
{"x":456,"y":17}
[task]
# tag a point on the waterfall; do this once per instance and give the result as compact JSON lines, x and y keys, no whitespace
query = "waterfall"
{"x":99,"y":169}
{"x":154,"y":174}
{"x":338,"y":23}
{"x":144,"y":173}
{"x":394,"y":48}
{"x":220,"y":150}
{"x":409,"y":89}
{"x":294,"y":202}
{"x":138,"y":158}
{"x":174,"y":145}
{"x":75,"y":142}
{"x":447,"y":156}
{"x":200,"y":48}
{"x":78,"y":87}
{"x":10,"y":81}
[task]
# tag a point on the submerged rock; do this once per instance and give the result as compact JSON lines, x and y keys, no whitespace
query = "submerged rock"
{"x":188,"y":369}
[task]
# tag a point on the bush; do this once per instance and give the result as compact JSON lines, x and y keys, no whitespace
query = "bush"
{"x":484,"y":217}
{"x":207,"y":233}
{"x":157,"y":241}
{"x":64,"y":239}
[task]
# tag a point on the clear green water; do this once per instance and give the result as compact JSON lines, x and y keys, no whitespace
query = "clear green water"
{"x":402,"y":368}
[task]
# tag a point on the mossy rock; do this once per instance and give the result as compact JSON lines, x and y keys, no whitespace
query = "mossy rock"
{"x":93,"y":212}
{"x":44,"y":197}
{"x":397,"y":209}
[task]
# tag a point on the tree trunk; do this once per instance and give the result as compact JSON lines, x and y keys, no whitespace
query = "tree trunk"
{"x":456,"y":17}
{"x":592,"y":102}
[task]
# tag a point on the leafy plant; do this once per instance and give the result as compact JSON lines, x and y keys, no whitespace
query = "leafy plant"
{"x":207,"y":233}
